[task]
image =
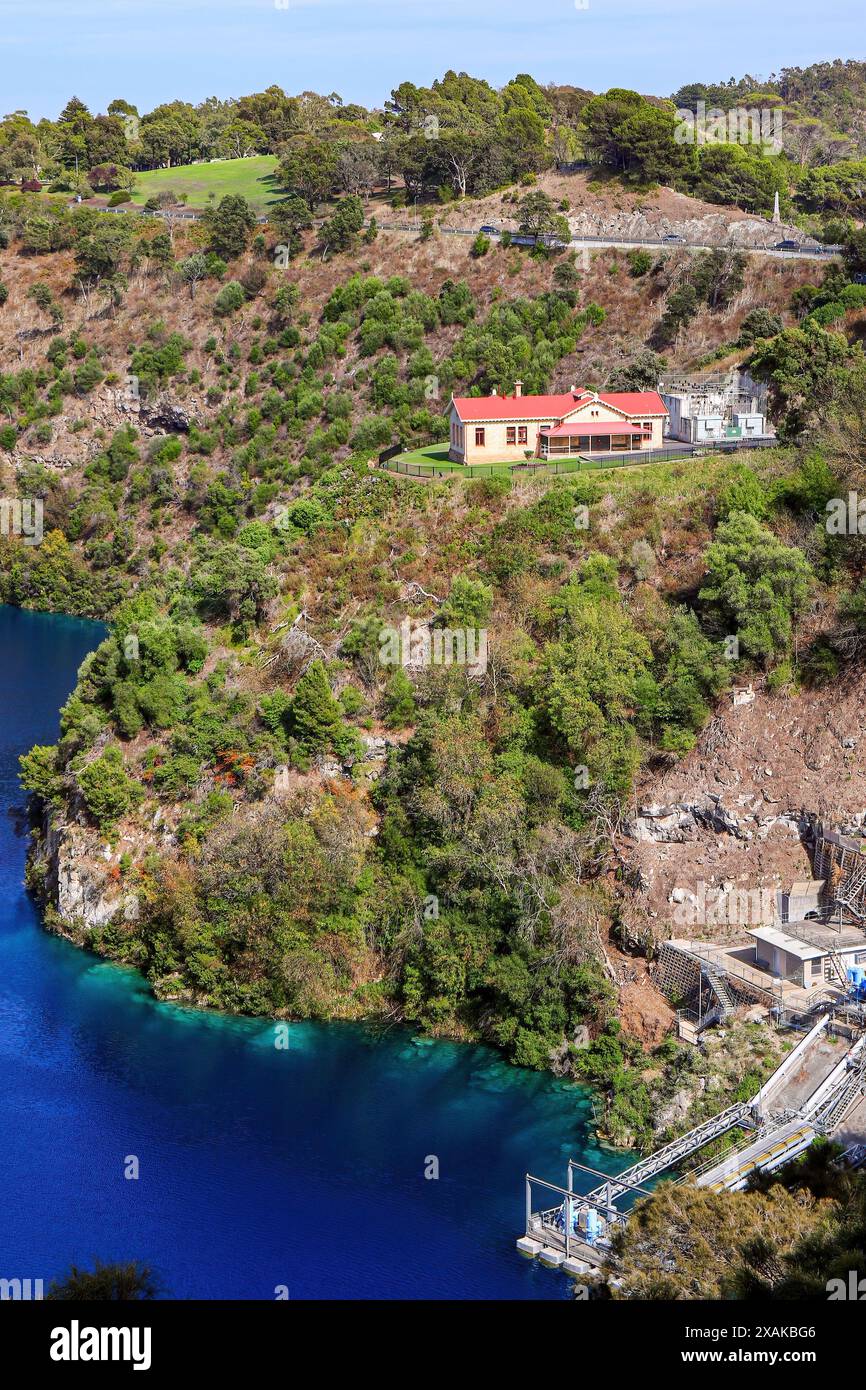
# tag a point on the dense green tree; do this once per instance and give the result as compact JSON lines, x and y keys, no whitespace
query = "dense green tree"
{"x":341,"y":228}
{"x":802,"y":366}
{"x":399,"y":700}
{"x":759,"y":323}
{"x":308,"y":168}
{"x":108,"y":791}
{"x":229,"y":225}
{"x":758,"y":584}
{"x":316,"y":716}
{"x":290,"y":219}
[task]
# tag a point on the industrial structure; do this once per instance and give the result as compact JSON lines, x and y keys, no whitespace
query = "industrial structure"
{"x":708,"y":406}
{"x":806,"y":969}
{"x":810,"y":954}
{"x":575,"y":1232}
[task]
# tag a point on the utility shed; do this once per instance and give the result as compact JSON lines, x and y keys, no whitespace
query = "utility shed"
{"x":803,"y":900}
{"x":787,"y":957}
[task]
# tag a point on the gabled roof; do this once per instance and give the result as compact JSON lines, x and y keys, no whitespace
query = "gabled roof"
{"x":635,"y":402}
{"x":472,"y":409}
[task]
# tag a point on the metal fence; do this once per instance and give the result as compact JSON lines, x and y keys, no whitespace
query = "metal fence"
{"x":479,"y":470}
{"x":581,"y":463}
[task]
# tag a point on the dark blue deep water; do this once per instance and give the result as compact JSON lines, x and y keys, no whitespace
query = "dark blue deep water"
{"x":258,"y":1167}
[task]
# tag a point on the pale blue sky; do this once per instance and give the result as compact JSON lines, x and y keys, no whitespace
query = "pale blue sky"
{"x":152,"y":50}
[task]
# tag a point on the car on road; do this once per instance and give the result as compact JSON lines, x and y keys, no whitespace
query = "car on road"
{"x":672,"y":239}
{"x":490,"y":231}
{"x":787,"y":245}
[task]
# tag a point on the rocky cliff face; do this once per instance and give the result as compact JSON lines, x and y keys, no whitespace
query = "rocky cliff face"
{"x":78,"y":879}
{"x":745,"y":817}
{"x":108,"y":409}
{"x":709,"y":228}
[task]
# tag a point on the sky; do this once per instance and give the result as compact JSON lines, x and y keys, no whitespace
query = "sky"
{"x":150,"y":51}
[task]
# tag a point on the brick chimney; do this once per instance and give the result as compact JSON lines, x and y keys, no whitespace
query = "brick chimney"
{"x":518,"y":388}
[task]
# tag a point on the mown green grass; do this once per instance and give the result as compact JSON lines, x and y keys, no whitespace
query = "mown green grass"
{"x":665,"y":479}
{"x":434,"y":457}
{"x":252,"y":178}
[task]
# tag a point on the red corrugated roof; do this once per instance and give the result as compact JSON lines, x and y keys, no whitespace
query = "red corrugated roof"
{"x":515,"y":407}
{"x":577,"y":427}
{"x":478,"y":408}
{"x":635,"y":402}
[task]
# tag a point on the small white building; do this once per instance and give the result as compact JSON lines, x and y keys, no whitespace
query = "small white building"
{"x":810,"y":964}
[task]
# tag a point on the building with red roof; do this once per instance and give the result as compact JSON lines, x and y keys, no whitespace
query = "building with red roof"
{"x":495,"y":429}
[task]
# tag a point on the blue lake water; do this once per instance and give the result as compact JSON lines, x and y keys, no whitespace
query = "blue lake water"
{"x":258,"y":1167}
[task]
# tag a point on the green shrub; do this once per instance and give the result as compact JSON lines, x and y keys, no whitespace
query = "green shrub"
{"x":230,"y":298}
{"x":108,"y":791}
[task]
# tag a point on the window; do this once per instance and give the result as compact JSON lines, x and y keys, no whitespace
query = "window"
{"x":479,"y":439}
{"x":511,"y":435}
{"x":522,"y":435}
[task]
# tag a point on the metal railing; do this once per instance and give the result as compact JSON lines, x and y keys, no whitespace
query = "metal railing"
{"x":674,"y":1152}
{"x":578,"y":463}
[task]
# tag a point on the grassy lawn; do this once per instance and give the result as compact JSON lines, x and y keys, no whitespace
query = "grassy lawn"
{"x":661,"y":476}
{"x":434,"y":457}
{"x":252,"y":178}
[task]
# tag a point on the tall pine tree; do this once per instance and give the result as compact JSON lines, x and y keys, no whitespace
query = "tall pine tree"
{"x":316,"y":716}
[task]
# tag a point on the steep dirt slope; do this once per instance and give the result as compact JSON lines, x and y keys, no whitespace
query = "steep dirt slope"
{"x":734,"y":811}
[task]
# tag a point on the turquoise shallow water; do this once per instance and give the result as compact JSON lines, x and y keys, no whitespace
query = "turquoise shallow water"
{"x":258,"y":1167}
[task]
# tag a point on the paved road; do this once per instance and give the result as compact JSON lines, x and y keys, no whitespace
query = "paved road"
{"x":813,"y":252}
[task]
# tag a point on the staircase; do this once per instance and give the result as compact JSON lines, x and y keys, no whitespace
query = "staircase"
{"x":842,"y":1101}
{"x":724,"y":1000}
{"x":836,"y":966}
{"x":674,"y":1152}
{"x":835,"y":971}
{"x":850,"y":892}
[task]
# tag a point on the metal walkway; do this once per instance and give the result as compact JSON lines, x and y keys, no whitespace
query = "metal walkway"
{"x":673,"y":1153}
{"x":579,"y":1228}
